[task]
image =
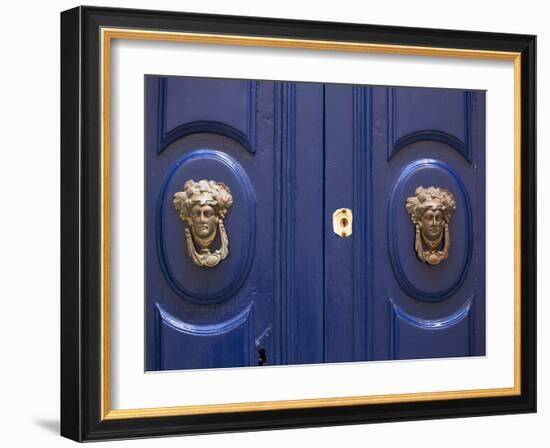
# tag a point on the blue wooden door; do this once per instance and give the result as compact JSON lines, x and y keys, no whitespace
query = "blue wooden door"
{"x":382,"y":298}
{"x":276,"y":284}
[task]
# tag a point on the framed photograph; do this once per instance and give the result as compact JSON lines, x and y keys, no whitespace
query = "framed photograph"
{"x":273,"y":224}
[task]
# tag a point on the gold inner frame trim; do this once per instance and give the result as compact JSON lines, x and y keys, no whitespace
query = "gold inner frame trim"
{"x":107,"y":35}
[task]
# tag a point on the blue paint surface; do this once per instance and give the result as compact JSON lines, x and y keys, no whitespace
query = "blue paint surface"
{"x":292,"y":291}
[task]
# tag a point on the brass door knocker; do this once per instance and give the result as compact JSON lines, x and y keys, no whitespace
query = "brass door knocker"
{"x":203,"y":205}
{"x":430,"y":210}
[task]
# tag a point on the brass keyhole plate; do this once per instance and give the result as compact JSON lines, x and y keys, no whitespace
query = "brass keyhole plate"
{"x":342,"y":220}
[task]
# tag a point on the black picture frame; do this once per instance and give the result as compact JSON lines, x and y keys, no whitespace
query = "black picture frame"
{"x":82,"y":409}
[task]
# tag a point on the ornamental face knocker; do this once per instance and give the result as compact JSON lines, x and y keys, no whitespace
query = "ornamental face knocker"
{"x":430,"y":210}
{"x":203,"y":205}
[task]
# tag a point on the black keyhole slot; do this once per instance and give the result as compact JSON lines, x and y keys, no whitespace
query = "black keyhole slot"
{"x":262,"y":358}
{"x":344,"y":222}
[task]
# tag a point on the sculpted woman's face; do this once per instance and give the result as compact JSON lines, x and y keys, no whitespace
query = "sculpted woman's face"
{"x":432,"y":223}
{"x":204,"y":221}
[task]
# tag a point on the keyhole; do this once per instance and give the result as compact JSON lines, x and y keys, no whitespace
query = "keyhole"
{"x":262,"y":358}
{"x":342,"y":220}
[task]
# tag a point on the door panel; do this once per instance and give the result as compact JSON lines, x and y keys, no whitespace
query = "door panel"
{"x":414,"y":337}
{"x":198,"y":284}
{"x":183,"y":345}
{"x":291,"y":290}
{"x":191,"y":105}
{"x":441,"y":115}
{"x":420,"y":280}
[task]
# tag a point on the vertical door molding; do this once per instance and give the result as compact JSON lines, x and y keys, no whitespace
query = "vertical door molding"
{"x":284,"y":232}
{"x":362,"y":213}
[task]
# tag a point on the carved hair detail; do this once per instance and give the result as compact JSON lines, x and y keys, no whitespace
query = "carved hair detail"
{"x":204,"y":192}
{"x":417,"y":204}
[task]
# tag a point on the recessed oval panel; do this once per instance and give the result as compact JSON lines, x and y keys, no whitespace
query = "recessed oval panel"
{"x":202,"y":284}
{"x":418,"y":279}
